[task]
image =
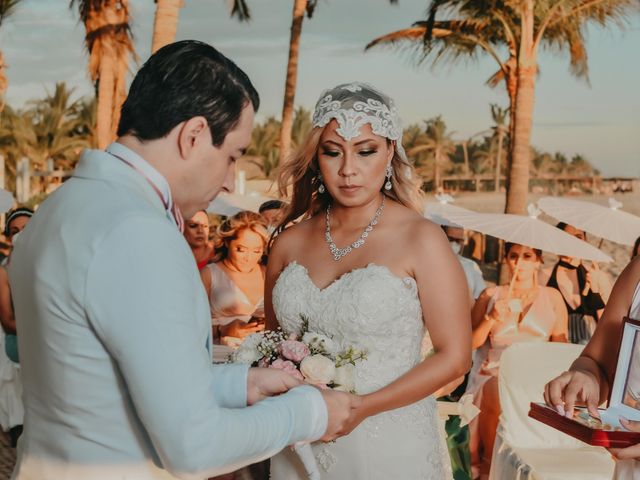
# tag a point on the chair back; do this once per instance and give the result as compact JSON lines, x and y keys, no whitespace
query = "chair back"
{"x":525,"y":368}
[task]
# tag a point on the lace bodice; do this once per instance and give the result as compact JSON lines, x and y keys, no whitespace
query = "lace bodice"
{"x":369,"y":307}
{"x":375,"y":310}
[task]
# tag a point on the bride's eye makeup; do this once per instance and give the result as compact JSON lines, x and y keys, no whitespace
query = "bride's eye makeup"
{"x":368,"y":152}
{"x":329,"y":152}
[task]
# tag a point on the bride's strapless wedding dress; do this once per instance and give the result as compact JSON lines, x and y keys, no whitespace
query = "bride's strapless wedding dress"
{"x":372,"y":309}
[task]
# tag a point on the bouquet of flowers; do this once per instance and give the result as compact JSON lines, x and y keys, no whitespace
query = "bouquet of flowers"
{"x":309,"y":356}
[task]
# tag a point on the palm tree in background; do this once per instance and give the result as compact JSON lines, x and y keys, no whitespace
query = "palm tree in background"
{"x":165,"y":24}
{"x":300,"y":9}
{"x":49,"y":129}
{"x":438,"y":142}
{"x":263,"y":149}
{"x":110,"y":44}
{"x":499,"y":117}
{"x":520,"y":27}
{"x":7,"y":7}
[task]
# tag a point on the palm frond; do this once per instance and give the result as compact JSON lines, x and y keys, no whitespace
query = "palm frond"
{"x":240,"y":10}
{"x":7,"y":7}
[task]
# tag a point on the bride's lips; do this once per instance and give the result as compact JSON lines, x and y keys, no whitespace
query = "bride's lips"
{"x":349,"y":188}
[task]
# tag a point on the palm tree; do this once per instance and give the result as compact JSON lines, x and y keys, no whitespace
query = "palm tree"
{"x":301,"y":126}
{"x":522,"y":27}
{"x":579,"y":165}
{"x":165,"y":24}
{"x":56,"y":131}
{"x":7,"y":7}
{"x":109,"y":43}
{"x":300,"y":8}
{"x":437,"y":141}
{"x":48,"y":129}
{"x":263,"y":149}
{"x":499,"y":117}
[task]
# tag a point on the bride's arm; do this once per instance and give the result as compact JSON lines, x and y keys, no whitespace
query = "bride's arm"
{"x":444,"y":298}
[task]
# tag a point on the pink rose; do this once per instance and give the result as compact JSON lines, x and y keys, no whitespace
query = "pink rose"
{"x":287,"y":366}
{"x":263,"y":362}
{"x":293,"y":350}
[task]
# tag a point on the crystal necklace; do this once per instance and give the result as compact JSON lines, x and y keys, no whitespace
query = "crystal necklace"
{"x":338,"y":253}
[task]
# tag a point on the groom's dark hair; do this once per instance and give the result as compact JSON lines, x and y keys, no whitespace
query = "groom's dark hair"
{"x":183,"y":80}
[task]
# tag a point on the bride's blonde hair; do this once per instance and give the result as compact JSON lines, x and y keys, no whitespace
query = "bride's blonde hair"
{"x":299,"y":177}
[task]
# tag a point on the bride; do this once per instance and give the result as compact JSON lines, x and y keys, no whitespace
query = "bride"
{"x":368,"y":270}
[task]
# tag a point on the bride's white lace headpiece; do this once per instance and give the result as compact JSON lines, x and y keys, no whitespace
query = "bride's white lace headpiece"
{"x":353,"y":105}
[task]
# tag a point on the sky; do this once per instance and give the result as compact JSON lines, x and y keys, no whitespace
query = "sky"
{"x":43,"y":44}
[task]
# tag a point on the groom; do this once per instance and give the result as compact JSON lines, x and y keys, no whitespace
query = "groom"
{"x":114,"y":323}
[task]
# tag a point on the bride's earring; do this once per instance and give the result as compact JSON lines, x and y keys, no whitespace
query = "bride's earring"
{"x":321,"y":188}
{"x":387,"y":186}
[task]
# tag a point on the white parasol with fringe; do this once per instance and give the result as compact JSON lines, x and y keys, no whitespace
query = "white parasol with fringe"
{"x":529,"y":231}
{"x":609,"y":222}
{"x":436,"y":211}
{"x":229,"y":204}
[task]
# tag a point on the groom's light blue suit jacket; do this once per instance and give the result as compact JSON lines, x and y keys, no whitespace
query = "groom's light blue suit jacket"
{"x":114,"y":338}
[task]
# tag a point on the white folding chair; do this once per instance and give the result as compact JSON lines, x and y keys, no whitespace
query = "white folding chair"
{"x":526,"y":449}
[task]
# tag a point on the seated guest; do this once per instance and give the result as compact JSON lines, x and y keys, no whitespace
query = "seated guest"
{"x":196,"y":233}
{"x":235,"y":280}
{"x":272,"y":212}
{"x":585,"y":290}
{"x":590,"y":377}
{"x":10,"y":384}
{"x":523,"y":311}
{"x":473,"y":273}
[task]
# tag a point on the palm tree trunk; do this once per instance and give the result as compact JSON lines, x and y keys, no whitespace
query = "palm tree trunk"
{"x":436,"y":172}
{"x":518,"y":177}
{"x":165,"y":24}
{"x":119,"y":92}
{"x":299,"y":7}
{"x":518,"y":186}
{"x":466,"y":157}
{"x":499,"y":158}
{"x":3,"y":81}
{"x":106,"y":86}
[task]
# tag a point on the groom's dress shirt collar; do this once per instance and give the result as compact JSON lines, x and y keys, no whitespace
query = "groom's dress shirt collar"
{"x":154,"y":177}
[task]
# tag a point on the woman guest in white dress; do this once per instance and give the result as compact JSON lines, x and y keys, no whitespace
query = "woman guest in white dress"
{"x":588,"y":380}
{"x":368,"y":270}
{"x":521,"y":312}
{"x":235,"y":280}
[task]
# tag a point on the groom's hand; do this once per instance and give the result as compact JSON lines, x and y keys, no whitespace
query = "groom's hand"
{"x":342,"y":408}
{"x":267,"y":382}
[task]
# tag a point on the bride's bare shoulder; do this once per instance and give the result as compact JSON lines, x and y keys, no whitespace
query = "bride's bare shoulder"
{"x":416,"y":227}
{"x":293,"y":236}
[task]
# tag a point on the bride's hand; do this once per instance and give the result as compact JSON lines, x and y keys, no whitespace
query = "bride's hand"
{"x":342,"y":408}
{"x":632,"y":452}
{"x":358,"y":413}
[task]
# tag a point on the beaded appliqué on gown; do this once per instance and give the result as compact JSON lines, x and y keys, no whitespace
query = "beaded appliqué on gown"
{"x":375,"y":310}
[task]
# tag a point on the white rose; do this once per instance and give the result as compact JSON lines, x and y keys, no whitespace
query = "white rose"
{"x":318,"y":369}
{"x":246,"y":356}
{"x":320,"y":343}
{"x":345,"y":378}
{"x":248,"y":352}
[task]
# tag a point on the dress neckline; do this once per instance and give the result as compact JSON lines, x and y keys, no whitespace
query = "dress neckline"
{"x":409,"y":281}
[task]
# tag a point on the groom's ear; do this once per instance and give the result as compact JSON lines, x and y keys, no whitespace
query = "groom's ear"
{"x":192,"y":134}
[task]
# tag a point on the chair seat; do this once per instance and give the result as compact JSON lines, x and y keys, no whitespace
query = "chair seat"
{"x":517,"y":463}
